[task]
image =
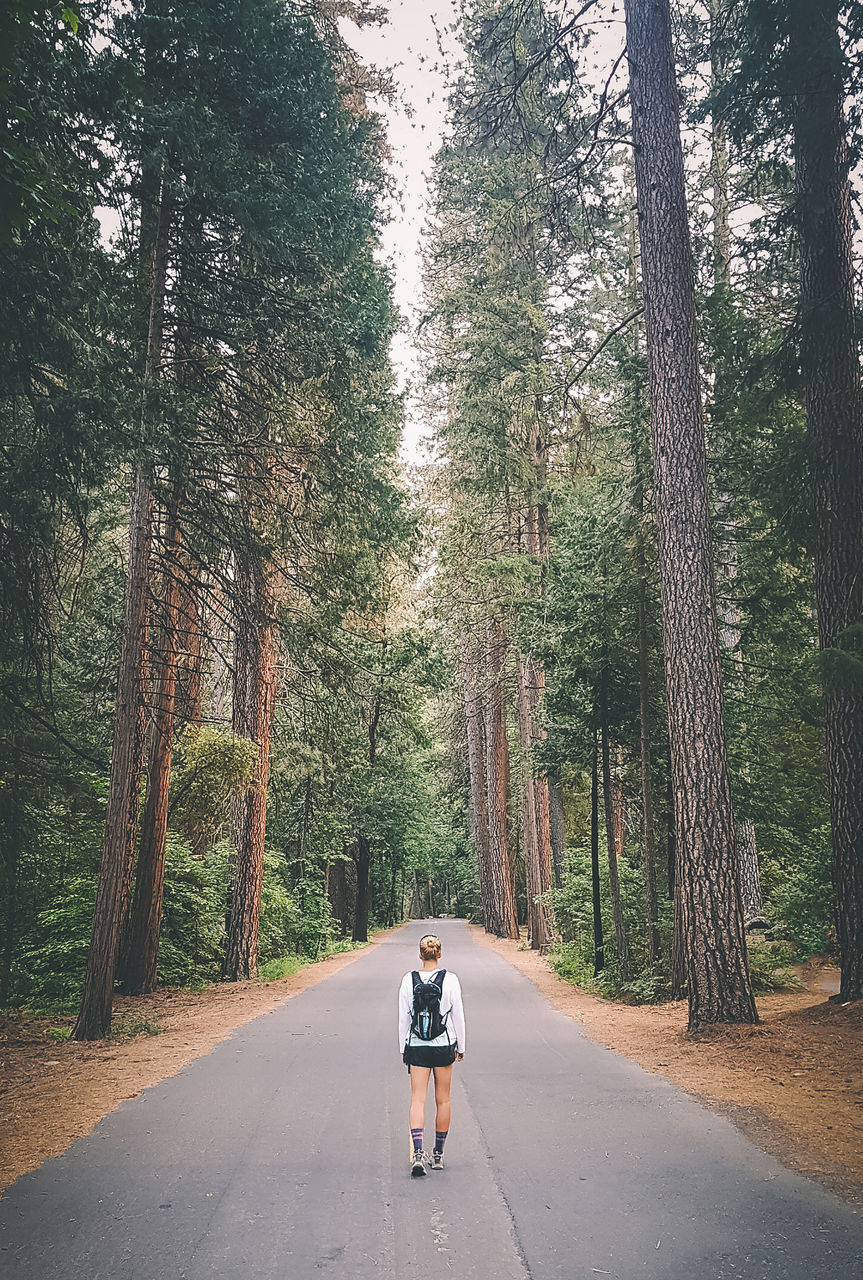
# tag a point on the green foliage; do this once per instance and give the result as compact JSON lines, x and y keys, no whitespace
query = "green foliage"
{"x":281,"y":967}
{"x":770,"y":967}
{"x":130,"y":1025}
{"x":49,"y":968}
{"x":193,"y":921}
{"x":210,"y":766}
{"x":801,"y":893}
{"x":59,"y":1034}
{"x":569,"y":962}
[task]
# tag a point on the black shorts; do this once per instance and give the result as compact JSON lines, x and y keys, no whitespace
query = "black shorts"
{"x":429,"y":1055}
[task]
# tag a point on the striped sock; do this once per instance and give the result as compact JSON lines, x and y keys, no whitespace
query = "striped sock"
{"x":417,"y":1135}
{"x":439,"y":1140}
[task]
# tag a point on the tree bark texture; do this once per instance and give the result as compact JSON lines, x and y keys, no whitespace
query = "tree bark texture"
{"x":504,"y":917}
{"x":124,"y":788}
{"x":712,"y":911}
{"x":834,"y":416}
{"x":145,"y":921}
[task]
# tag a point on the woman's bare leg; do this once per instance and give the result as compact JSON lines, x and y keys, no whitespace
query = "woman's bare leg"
{"x":419,"y":1088}
{"x":442,"y":1085}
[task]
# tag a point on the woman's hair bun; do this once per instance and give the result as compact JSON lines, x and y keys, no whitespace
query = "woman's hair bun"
{"x":430,"y":947}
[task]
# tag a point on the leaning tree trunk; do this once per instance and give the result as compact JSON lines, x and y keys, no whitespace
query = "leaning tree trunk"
{"x":145,"y":921}
{"x":712,"y":911}
{"x":504,"y":917}
{"x":834,"y":417}
{"x":124,"y":788}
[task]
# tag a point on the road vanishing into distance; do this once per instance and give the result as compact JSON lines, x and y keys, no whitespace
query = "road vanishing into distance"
{"x":284,"y":1154}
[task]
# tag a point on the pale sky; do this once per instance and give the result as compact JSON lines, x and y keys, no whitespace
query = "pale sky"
{"x":410,"y":45}
{"x":420,"y":47}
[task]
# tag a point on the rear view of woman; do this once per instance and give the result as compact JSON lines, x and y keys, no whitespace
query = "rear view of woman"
{"x":429,"y":998}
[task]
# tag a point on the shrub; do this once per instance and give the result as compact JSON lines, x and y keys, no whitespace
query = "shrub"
{"x":770,"y":968}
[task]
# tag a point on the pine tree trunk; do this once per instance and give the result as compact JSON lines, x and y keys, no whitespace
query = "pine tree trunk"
{"x":530,"y":684}
{"x":610,"y":835}
{"x":476,"y":776}
{"x":124,"y":789}
{"x":535,"y":825}
{"x":364,"y":863}
{"x":139,"y":970}
{"x":712,"y":911}
{"x":364,"y":855}
{"x":504,"y":918}
{"x":598,"y":946}
{"x":255,"y":677}
{"x":557,"y":828}
{"x":834,"y":417}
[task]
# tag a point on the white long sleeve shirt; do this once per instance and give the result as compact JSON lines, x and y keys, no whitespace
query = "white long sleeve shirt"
{"x":451,"y":1004}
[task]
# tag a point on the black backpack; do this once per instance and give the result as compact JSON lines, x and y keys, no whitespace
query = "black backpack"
{"x":427,"y":1022}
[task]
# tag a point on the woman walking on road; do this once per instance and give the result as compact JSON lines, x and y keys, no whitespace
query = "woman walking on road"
{"x":431,"y":1038}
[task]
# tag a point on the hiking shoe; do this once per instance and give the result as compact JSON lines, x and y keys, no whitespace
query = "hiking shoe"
{"x":418,"y":1165}
{"x":436,"y":1160}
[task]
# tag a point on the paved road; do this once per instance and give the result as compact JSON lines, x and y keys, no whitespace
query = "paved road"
{"x":284,"y":1153}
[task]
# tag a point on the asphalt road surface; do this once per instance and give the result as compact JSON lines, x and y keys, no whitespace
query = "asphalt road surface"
{"x":284,"y":1153}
